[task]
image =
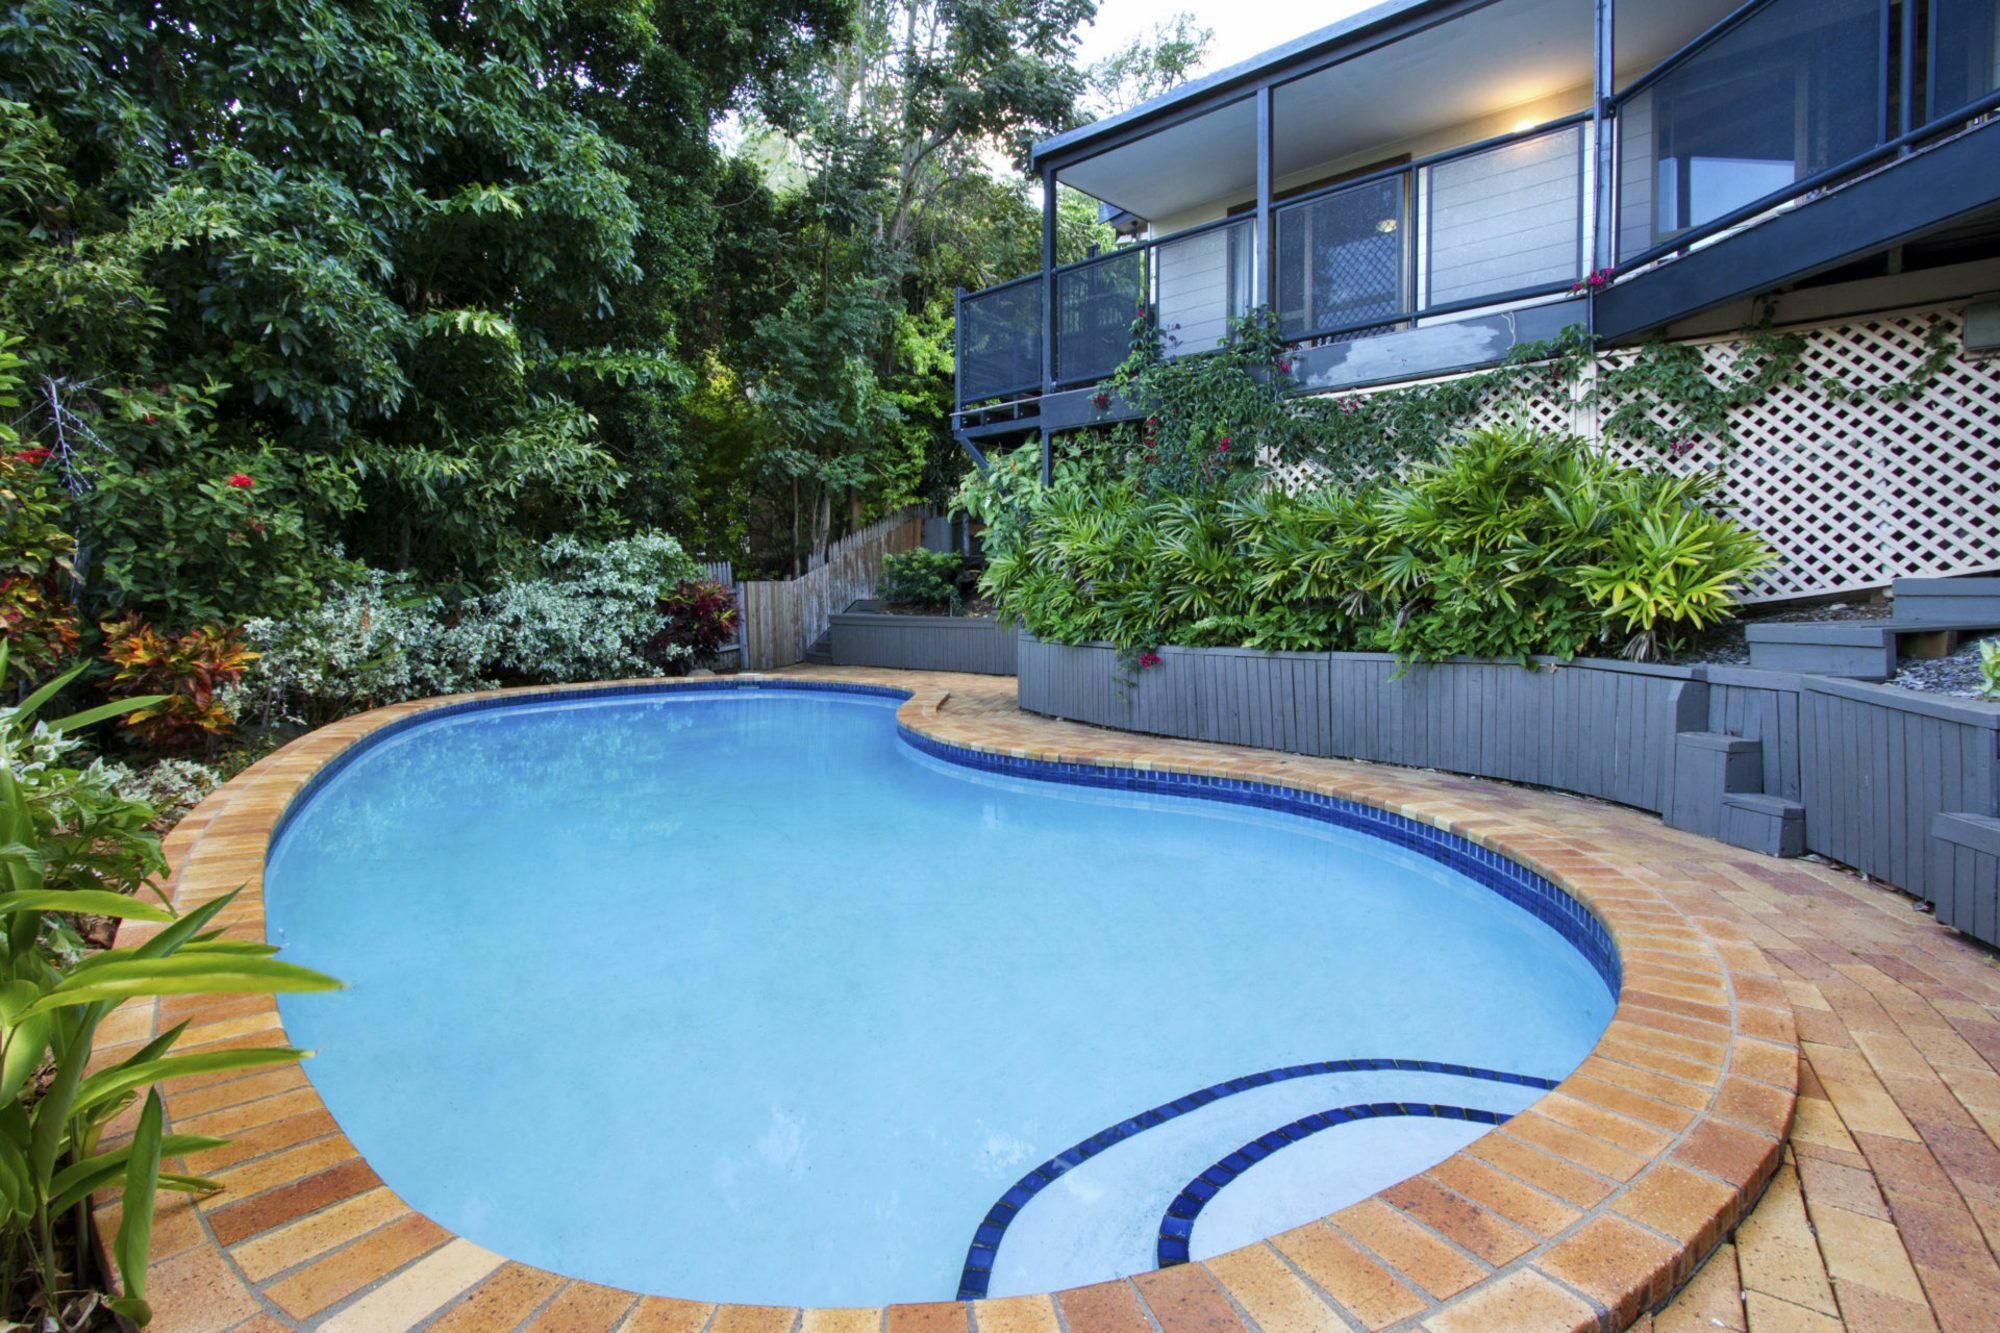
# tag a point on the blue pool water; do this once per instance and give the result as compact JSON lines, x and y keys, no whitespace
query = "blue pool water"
{"x":736,"y":995}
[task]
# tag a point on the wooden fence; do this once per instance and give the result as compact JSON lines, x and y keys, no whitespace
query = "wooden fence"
{"x":781,"y":617}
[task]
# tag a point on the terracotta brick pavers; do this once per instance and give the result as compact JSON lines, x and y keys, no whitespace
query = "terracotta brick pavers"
{"x":1585,"y":1211}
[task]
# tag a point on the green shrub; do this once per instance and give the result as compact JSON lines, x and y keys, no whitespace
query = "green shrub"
{"x":1506,"y":545}
{"x":590,"y":611}
{"x":375,"y":640}
{"x":921,"y":578}
{"x":591,"y":614}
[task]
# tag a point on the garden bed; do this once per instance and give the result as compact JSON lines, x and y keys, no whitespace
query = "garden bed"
{"x":867,"y":635}
{"x":1897,"y":784}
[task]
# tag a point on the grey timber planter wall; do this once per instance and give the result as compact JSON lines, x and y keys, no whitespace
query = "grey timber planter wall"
{"x":864,"y":637}
{"x":1902,"y":786}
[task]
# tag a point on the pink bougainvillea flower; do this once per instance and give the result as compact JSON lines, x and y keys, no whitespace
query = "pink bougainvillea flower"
{"x":242,"y":481}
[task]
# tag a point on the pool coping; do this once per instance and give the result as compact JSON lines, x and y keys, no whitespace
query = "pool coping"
{"x":1587,"y":1210}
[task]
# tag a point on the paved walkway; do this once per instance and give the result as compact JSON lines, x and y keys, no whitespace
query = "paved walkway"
{"x":1882,"y":1213}
{"x":1886,"y":1212}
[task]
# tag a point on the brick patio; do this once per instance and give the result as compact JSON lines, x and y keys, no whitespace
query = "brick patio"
{"x":1580,"y":1213}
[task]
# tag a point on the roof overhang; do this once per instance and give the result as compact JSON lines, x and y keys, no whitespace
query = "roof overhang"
{"x":1398,"y":73}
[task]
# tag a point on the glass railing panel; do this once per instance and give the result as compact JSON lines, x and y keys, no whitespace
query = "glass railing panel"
{"x":1201,"y":284}
{"x":1964,"y":53}
{"x":1096,"y":305}
{"x":1788,"y":92}
{"x":1343,"y":260}
{"x":1504,"y":220}
{"x":1000,"y":341}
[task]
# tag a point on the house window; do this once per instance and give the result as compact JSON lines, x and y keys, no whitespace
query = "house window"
{"x":1343,"y":259}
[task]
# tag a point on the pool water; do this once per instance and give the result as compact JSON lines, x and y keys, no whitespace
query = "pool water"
{"x":735,"y":995}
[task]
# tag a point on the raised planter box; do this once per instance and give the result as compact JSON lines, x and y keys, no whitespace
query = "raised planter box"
{"x":1900,"y":785}
{"x":1856,"y":649}
{"x":1932,"y":617}
{"x":866,"y":636}
{"x":1966,"y":601}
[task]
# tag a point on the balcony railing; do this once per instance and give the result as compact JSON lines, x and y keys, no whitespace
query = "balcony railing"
{"x":1000,"y":340}
{"x":1784,"y":97}
{"x":1780,"y":99}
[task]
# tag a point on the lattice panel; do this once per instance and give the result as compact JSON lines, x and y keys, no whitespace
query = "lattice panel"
{"x":1850,"y":493}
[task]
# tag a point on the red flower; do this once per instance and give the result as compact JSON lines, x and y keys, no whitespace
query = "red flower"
{"x":1224,"y":446}
{"x":254,"y":525}
{"x":1148,"y":660}
{"x":242,"y":481}
{"x":148,"y":418}
{"x":31,"y":456}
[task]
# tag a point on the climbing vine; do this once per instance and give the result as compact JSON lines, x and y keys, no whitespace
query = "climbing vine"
{"x":1664,"y":397}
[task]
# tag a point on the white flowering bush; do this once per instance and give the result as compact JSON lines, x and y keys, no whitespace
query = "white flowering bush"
{"x":374,"y":641}
{"x":592,"y":613}
{"x":171,"y":787}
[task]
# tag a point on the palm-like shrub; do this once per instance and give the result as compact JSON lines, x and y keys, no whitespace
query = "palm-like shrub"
{"x":1507,"y":544}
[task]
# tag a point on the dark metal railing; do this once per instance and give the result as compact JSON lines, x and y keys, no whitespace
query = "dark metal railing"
{"x":1690,"y":163}
{"x":997,"y":334}
{"x":1777,"y":100}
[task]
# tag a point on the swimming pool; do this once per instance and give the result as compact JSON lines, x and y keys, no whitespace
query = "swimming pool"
{"x":741,"y":995}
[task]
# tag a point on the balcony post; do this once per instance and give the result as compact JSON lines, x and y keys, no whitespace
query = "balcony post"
{"x":1263,"y":280}
{"x":1603,"y":216}
{"x":1048,"y":307}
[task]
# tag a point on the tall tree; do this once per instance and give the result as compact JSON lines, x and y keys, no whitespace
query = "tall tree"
{"x":447,"y":251}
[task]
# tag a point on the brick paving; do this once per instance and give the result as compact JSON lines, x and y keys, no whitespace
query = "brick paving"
{"x":1747,"y":980}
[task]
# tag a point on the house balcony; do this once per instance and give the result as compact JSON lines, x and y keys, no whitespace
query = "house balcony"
{"x":1426,"y":186}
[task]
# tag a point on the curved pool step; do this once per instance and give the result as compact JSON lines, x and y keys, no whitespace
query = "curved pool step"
{"x":982,"y":1254}
{"x":1177,"y":1223}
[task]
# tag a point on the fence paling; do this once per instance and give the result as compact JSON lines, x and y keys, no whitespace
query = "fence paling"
{"x":780,"y":617}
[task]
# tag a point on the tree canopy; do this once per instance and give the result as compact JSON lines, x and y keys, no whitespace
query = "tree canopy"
{"x":436,"y":282}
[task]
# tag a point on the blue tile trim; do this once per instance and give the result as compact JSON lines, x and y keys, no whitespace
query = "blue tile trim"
{"x":1531,"y":892}
{"x":992,"y":1229}
{"x":1177,"y":1223}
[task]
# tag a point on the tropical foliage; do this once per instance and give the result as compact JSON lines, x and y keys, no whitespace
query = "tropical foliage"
{"x":921,"y":579}
{"x":73,"y":850}
{"x":1506,"y":545}
{"x":700,"y":616}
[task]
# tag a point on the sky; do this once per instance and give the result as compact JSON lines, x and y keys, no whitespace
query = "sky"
{"x":1241,"y":29}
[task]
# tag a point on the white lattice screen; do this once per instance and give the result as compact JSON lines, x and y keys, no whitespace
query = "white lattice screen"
{"x":1851,"y":493}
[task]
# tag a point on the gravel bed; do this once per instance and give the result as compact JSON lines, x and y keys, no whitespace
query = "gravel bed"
{"x":1726,"y":646}
{"x":1956,"y":675}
